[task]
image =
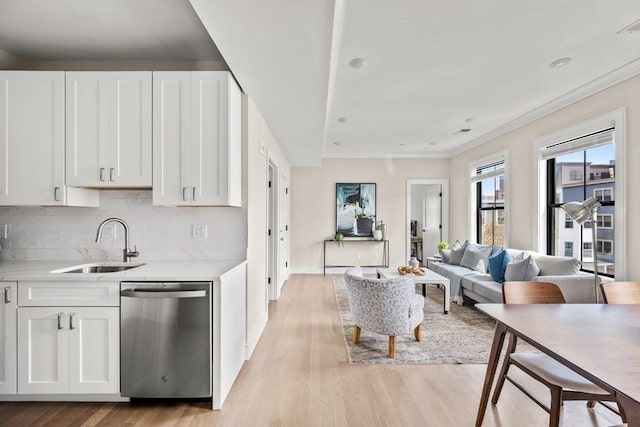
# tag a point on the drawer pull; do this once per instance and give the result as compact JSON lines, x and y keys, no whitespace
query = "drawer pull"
{"x":184,"y":194}
{"x":111,"y":174}
{"x":7,"y":295}
{"x":56,"y":194}
{"x":71,"y":316}
{"x":194,"y":194}
{"x":60,"y":316}
{"x":101,"y":174}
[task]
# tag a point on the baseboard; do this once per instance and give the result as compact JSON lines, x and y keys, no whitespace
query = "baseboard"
{"x":63,"y":398}
{"x":252,"y":341}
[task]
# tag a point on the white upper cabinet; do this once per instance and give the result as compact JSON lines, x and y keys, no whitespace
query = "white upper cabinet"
{"x":108,"y":122}
{"x":197,"y":155}
{"x":32,"y":141}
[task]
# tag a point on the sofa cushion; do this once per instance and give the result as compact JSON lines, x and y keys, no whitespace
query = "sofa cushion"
{"x":484,"y":286}
{"x":557,"y":265}
{"x":525,"y":269}
{"x":456,"y":254}
{"x":446,"y":255}
{"x":476,"y":257}
{"x":498,"y":264}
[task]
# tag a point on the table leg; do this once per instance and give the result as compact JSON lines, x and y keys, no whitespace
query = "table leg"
{"x":424,"y":290}
{"x":447,"y":297}
{"x":492,"y":365}
{"x":630,"y":408}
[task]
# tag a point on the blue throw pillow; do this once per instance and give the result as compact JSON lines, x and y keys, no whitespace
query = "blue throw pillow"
{"x":498,"y":264}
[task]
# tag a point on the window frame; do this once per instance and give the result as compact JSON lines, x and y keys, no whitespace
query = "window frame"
{"x":602,"y":242}
{"x":600,"y":221}
{"x":617,"y":120}
{"x":474,"y":197}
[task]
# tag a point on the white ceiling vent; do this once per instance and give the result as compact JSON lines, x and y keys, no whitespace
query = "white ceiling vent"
{"x":633,"y":28}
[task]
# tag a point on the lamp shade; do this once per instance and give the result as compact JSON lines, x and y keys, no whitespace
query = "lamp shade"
{"x":581,"y":211}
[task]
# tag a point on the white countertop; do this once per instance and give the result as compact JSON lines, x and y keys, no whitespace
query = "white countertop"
{"x":150,"y":271}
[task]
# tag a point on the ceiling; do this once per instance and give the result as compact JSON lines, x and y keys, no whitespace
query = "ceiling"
{"x":430,"y":69}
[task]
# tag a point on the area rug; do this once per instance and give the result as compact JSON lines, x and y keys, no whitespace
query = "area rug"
{"x":464,"y":335}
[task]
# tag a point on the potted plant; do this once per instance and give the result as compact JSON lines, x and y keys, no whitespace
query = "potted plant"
{"x":442,"y":246}
{"x":339,"y":238}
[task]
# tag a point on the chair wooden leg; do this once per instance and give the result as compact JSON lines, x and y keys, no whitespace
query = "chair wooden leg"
{"x":505,"y":368}
{"x":554,"y":408}
{"x":591,"y":403}
{"x":356,"y":334}
{"x":392,"y":346}
{"x":416,"y":331}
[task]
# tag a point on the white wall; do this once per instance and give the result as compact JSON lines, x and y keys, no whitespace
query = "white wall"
{"x":160,"y":233}
{"x":258,"y":134}
{"x":313,"y":205}
{"x":520,"y":145}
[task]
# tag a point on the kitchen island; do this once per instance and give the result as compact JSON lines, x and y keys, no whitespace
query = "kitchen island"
{"x":62,"y":330}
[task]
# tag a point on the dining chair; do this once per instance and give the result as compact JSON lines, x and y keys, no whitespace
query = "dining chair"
{"x":562,"y":382}
{"x":621,"y":292}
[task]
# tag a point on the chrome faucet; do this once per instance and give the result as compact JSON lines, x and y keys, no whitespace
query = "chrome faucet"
{"x":126,"y":253}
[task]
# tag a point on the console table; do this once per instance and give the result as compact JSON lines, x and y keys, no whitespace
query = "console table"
{"x":385,"y":253}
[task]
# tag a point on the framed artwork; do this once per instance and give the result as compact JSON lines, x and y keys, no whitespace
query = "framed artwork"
{"x":355,"y":209}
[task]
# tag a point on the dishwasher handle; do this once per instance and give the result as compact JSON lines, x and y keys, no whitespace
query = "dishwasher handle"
{"x":137,"y":293}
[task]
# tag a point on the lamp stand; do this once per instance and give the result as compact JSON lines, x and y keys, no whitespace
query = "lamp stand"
{"x":594,"y":248}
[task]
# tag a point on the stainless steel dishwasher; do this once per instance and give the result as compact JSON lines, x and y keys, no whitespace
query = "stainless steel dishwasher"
{"x":165,"y":334}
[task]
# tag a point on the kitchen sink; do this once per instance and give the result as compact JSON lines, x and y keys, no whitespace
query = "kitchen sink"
{"x":98,"y":268}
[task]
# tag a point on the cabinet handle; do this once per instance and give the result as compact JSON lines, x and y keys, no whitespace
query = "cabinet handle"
{"x":71,"y":316}
{"x":7,"y":295}
{"x":56,"y":194}
{"x":184,"y":194}
{"x":60,"y":316}
{"x":194,"y":194}
{"x":101,"y":174}
{"x":111,"y":174}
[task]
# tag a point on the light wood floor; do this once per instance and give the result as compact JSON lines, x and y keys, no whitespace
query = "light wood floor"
{"x":299,"y":375}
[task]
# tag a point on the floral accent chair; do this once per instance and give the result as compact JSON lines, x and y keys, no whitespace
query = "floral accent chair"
{"x":384,"y":306}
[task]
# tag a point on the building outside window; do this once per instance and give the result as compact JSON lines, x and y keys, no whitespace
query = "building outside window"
{"x":568,"y":249}
{"x":605,"y":247}
{"x":605,"y":221}
{"x":568,"y":222}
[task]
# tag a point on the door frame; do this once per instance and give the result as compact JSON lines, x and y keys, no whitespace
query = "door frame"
{"x":444,"y":212}
{"x":272,"y":254}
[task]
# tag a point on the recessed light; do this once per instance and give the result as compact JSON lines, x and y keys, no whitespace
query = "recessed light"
{"x":471,"y":119}
{"x":559,"y":63}
{"x":433,"y":143}
{"x":342,"y":119}
{"x":461,"y":131}
{"x":357,"y":63}
{"x":337,"y":142}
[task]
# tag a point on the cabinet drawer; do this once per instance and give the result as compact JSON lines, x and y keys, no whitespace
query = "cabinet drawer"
{"x":89,"y":293}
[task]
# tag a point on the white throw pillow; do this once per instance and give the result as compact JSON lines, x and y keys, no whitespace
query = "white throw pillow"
{"x":476,"y":257}
{"x":525,"y":269}
{"x":456,"y":254}
{"x":557,"y":265}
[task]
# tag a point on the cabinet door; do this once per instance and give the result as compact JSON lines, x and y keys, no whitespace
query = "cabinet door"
{"x":86,"y":124}
{"x":8,"y":330}
{"x":43,"y":350}
{"x":216,"y":163}
{"x":129,"y":146}
{"x":32,"y":137}
{"x":171,"y":135}
{"x":94,"y":350}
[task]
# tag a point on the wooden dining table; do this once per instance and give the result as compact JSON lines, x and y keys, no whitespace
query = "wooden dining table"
{"x":600,"y":342}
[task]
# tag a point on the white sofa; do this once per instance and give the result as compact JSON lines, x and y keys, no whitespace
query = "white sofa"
{"x":479,"y":286}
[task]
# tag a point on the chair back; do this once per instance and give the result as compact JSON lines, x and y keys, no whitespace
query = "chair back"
{"x":621,"y":292}
{"x":531,"y":293}
{"x":380,"y":305}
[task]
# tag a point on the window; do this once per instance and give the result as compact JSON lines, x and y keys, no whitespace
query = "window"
{"x":604,"y":247}
{"x":603,"y":194}
{"x":488,"y":180}
{"x":568,"y":249}
{"x":605,"y":221}
{"x":568,"y":222}
{"x":577,"y":169}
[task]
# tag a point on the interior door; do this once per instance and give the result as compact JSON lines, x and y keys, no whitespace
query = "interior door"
{"x":432,"y":231}
{"x":283,"y":242}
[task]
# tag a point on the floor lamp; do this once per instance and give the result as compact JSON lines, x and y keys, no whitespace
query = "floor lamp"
{"x":581,"y":212}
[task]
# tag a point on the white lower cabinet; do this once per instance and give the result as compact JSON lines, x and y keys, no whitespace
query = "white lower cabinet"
{"x":68,"y":350}
{"x":8,"y":309}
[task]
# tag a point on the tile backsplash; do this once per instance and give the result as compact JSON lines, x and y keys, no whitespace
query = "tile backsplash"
{"x":160,"y":233}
